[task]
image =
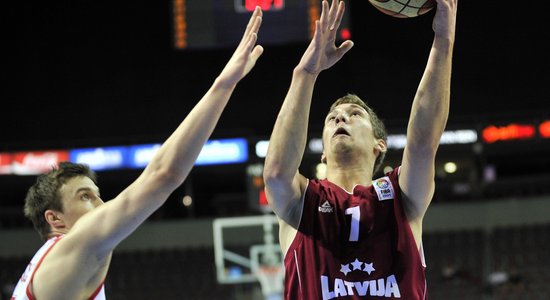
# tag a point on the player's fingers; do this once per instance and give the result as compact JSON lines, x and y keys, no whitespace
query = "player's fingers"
{"x":256,"y":25}
{"x":257,"y":12}
{"x":324,"y":14}
{"x":257,"y":52}
{"x":333,"y":12}
{"x":317,"y":34}
{"x":344,"y":48}
{"x":252,"y":34}
{"x":251,"y":23}
{"x":339,"y":16}
{"x":251,"y":42}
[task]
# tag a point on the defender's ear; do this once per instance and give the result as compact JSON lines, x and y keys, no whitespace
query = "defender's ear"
{"x":323,"y":158}
{"x":52,"y":217}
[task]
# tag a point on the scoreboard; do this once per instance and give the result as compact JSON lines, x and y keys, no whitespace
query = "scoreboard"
{"x":266,"y":5}
{"x":210,"y":24}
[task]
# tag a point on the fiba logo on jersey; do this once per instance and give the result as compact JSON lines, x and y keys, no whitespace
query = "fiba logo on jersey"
{"x":383,"y":188}
{"x":382,"y":183}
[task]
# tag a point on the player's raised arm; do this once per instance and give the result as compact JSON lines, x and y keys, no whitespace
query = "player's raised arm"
{"x":429,"y":113}
{"x":284,"y":184}
{"x":84,"y":252}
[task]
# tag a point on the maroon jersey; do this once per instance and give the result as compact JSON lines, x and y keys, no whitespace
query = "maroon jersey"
{"x":354,"y":245}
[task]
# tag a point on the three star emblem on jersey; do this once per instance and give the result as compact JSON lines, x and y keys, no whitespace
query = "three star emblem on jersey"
{"x":357,"y":265}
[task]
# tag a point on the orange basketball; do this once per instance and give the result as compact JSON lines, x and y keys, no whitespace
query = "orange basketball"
{"x":404,"y":8}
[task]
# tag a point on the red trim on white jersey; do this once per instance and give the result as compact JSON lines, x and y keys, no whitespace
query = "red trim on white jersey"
{"x":28,"y":289}
{"x":23,"y":289}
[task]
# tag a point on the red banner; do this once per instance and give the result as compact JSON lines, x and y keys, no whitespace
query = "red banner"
{"x":544,"y":129}
{"x":510,"y":132}
{"x":5,"y":163}
{"x":37,"y":162}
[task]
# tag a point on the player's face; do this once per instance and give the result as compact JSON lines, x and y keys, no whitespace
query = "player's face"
{"x":79,"y":195}
{"x":348,"y":129}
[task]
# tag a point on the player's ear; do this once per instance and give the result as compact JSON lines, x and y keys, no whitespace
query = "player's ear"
{"x":380,"y":146}
{"x":323,"y":158}
{"x":53,"y":218}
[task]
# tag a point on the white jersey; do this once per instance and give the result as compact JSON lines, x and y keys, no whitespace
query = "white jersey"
{"x":22,"y":291}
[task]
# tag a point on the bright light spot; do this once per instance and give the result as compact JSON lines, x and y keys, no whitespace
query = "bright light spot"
{"x":489,"y":173}
{"x":387,"y":169}
{"x":261,"y":148}
{"x":450,"y":167}
{"x":187,"y":200}
{"x":321,"y":171}
{"x":315,"y":145}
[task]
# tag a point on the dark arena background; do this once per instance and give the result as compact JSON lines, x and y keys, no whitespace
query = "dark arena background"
{"x":100,"y":77}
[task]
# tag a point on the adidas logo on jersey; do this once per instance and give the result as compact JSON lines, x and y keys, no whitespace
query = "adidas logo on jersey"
{"x":325,"y":208}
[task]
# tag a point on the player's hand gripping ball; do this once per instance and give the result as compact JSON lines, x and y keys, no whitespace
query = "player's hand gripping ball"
{"x":404,"y":8}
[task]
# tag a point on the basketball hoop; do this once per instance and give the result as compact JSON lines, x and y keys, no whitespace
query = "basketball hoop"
{"x":271,"y":280}
{"x":264,"y":263}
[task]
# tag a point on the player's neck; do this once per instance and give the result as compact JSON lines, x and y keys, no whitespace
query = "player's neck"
{"x":349,"y":177}
{"x":350,"y":169}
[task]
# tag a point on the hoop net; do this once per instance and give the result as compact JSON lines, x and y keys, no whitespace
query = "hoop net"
{"x":271,"y":279}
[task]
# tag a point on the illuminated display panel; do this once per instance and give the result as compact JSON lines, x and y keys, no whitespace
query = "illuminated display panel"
{"x":217,"y":24}
{"x":266,"y":5}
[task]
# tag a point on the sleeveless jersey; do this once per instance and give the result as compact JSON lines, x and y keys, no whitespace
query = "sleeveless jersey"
{"x":22,"y":291}
{"x":355,"y":245}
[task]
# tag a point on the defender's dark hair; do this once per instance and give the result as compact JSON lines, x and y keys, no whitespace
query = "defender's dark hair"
{"x":44,"y":194}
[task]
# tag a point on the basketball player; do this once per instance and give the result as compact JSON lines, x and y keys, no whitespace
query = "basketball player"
{"x":81,"y":230}
{"x":347,"y":236}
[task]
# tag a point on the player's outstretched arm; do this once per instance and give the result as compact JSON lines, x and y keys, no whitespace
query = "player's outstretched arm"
{"x":429,"y":113}
{"x":284,"y":184}
{"x":86,"y":249}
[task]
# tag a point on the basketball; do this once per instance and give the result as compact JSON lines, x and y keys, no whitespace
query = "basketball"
{"x":404,"y":8}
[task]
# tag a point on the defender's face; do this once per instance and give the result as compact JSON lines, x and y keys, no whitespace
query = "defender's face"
{"x":348,"y":128}
{"x":79,"y":195}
